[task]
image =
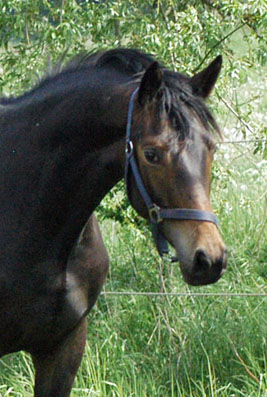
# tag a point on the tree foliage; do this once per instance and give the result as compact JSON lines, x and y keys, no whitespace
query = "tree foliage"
{"x":184,"y":34}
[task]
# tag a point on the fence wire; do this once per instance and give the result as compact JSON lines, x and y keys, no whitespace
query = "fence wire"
{"x":184,"y":294}
{"x":244,"y":141}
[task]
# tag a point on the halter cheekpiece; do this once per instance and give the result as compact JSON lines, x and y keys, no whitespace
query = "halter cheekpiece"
{"x":156,"y":213}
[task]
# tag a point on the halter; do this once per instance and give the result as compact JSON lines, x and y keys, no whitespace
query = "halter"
{"x":156,"y":213}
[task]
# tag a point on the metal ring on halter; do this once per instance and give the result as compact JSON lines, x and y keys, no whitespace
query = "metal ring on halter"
{"x":129,"y":148}
{"x":154,"y":214}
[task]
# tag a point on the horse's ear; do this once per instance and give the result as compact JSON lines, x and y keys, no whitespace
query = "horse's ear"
{"x":203,"y":82}
{"x":150,"y":84}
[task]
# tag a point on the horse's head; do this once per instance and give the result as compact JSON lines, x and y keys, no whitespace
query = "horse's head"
{"x":173,"y":147}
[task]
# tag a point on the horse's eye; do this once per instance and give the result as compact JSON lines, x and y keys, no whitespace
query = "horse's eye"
{"x":152,"y":156}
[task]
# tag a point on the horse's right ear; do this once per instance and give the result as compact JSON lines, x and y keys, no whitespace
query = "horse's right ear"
{"x":203,"y":82}
{"x":150,"y":84}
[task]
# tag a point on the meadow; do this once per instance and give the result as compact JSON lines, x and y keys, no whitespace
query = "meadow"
{"x":208,"y":341}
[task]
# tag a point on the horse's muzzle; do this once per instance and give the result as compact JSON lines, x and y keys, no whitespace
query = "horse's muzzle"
{"x":205,"y":270}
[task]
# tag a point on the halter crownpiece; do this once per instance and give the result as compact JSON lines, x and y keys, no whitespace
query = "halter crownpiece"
{"x":156,"y":213}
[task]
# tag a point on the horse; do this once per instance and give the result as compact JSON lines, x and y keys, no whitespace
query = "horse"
{"x":62,"y":148}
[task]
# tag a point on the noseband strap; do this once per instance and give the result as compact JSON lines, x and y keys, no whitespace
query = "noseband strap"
{"x":156,"y":213}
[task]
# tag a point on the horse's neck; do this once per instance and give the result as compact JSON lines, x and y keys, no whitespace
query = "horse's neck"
{"x":64,"y":172}
{"x":90,"y":180}
{"x":86,"y":148}
{"x":86,"y":168}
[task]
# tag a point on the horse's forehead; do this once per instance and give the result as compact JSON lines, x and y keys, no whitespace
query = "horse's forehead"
{"x":161,"y":135}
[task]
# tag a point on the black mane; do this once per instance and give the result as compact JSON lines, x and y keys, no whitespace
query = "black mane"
{"x":124,"y":60}
{"x":175,"y":93}
{"x":175,"y":96}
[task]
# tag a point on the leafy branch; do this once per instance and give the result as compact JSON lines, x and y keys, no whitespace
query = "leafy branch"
{"x":217,"y":45}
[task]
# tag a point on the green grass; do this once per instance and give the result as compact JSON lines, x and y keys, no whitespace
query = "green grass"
{"x":199,"y":346}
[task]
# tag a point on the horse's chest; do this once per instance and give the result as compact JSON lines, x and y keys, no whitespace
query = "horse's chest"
{"x":33,"y":315}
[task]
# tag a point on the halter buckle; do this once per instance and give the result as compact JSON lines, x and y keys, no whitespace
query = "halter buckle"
{"x":154,"y":214}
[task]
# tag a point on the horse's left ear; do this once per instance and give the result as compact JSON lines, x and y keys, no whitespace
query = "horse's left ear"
{"x":203,"y":82}
{"x":150,"y":84}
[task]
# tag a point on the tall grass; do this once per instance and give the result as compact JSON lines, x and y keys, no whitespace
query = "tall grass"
{"x":212,"y":346}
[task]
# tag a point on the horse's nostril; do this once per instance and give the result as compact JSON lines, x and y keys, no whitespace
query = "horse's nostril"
{"x":206,"y":269}
{"x":202,"y":262}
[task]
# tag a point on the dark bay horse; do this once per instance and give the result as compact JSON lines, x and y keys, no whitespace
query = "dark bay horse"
{"x":62,"y":148}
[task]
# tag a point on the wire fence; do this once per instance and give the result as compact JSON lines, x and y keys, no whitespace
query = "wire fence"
{"x":244,"y":141}
{"x":184,"y":294}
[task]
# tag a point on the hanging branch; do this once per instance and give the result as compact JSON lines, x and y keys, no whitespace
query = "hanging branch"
{"x":26,"y":29}
{"x":246,"y":125}
{"x":62,"y":11}
{"x":217,"y":44}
